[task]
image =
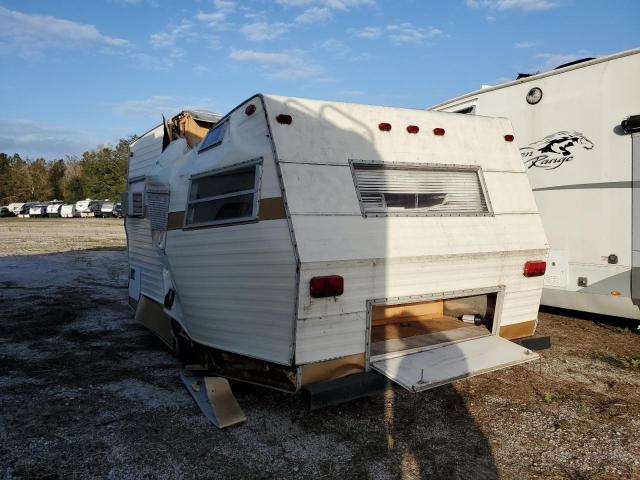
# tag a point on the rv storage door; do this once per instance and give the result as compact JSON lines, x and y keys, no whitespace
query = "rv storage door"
{"x":438,"y":366}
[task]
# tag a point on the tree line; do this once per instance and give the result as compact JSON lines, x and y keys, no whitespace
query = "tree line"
{"x":100,"y":174}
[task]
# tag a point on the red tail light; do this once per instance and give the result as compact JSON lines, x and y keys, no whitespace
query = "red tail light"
{"x":284,"y":119}
{"x":534,"y":268}
{"x":413,"y":129}
{"x":328,"y":286}
{"x":438,"y":131}
{"x":509,"y":138}
{"x":250,"y":110}
{"x":385,"y":127}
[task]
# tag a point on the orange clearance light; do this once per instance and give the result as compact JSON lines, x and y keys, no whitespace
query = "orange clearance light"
{"x":327,"y":286}
{"x":438,"y":131}
{"x":413,"y":129}
{"x":250,"y":110}
{"x":615,"y":293}
{"x":384,"y":127}
{"x":284,"y":119}
{"x":534,"y":268}
{"x":509,"y":138}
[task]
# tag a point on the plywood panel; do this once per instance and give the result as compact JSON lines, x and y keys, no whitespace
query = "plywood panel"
{"x":385,"y":314}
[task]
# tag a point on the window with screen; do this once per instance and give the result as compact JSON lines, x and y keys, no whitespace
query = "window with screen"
{"x":137,"y":204}
{"x":214,"y":137}
{"x":419,"y":190}
{"x":225,"y":196}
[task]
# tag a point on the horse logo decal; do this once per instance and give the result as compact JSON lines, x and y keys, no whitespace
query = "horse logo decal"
{"x":554,"y":150}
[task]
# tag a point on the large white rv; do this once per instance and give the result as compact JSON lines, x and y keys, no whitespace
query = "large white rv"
{"x":300,"y":241}
{"x":584,"y":167}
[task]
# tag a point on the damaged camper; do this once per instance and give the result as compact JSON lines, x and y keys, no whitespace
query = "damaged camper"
{"x":295,"y":242}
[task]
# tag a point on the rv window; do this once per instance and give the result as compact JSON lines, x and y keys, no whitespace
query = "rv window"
{"x":225,"y":197}
{"x":213,"y":138}
{"x":419,"y":190}
{"x":467,"y":110}
{"x":137,"y":205}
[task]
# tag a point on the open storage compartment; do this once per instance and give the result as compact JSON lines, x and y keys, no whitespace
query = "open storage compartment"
{"x":407,"y":327}
{"x":424,"y":344}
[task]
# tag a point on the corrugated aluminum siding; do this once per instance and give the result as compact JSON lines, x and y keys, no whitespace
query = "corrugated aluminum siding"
{"x":237,"y":288}
{"x":145,"y":151}
{"x":329,"y":329}
{"x":145,"y":258}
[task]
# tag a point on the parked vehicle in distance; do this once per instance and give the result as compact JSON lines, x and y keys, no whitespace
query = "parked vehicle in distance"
{"x":53,"y":209}
{"x":95,"y":207}
{"x":69,"y":211}
{"x":15,"y":208}
{"x":82,"y":206}
{"x":111,"y":209}
{"x":38,"y":210}
{"x":5,"y":212}
{"x":24,"y":209}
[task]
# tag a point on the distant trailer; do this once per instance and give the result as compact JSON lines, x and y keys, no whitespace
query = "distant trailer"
{"x":38,"y":211}
{"x":578,"y":128}
{"x":15,"y":208}
{"x":293,"y":242}
{"x":84,"y":207}
{"x":69,"y":211}
{"x":53,"y":210}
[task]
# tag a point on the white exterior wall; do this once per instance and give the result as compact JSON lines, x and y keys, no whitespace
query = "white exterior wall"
{"x":398,"y":256}
{"x":236,"y":283}
{"x":583,"y":225}
{"x":146,"y":151}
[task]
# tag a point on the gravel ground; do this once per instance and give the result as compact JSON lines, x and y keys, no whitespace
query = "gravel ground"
{"x":85,"y":392}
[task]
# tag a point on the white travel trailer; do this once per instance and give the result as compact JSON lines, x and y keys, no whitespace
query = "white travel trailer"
{"x":15,"y":208}
{"x":84,"y":207}
{"x":69,"y":211}
{"x":583,"y":161}
{"x":301,"y":241}
{"x":38,"y":210}
{"x":53,"y":209}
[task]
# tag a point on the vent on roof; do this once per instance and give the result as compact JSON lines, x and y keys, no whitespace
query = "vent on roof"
{"x":419,"y":190}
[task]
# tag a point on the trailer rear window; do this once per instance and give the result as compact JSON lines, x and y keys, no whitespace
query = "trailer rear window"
{"x":225,"y":196}
{"x":419,"y":190}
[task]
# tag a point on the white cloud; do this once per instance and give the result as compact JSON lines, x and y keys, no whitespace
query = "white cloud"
{"x":168,"y":38}
{"x":367,"y":32}
{"x":218,"y":19}
{"x":34,"y":139}
{"x":332,"y":4}
{"x":526,"y":5}
{"x":408,"y":33}
{"x":158,"y":105}
{"x":30,"y":34}
{"x":525,"y":44}
{"x":288,"y":65}
{"x":553,"y":60}
{"x":261,"y":30}
{"x":314,"y":15}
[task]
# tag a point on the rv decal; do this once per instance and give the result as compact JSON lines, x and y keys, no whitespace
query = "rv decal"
{"x":554,"y":150}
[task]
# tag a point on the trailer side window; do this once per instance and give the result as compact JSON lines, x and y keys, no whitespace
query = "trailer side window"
{"x":419,"y":190}
{"x":227,"y":196}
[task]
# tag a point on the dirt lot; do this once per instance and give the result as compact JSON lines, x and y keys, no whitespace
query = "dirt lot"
{"x":27,"y":236}
{"x":87,"y":393}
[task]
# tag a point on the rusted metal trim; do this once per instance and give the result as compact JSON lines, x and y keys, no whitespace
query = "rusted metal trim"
{"x":518,"y":330}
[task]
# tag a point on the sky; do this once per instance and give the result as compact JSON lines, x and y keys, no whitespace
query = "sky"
{"x":75,"y":74}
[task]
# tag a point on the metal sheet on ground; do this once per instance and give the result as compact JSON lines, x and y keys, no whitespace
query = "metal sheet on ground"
{"x":429,"y":369}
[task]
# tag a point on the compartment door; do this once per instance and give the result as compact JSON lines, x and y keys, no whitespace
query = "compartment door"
{"x":432,"y":368}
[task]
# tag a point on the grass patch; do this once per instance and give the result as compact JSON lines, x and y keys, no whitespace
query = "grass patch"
{"x":621,"y":361}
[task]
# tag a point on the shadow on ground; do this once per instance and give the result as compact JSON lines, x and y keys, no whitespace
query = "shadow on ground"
{"x":87,"y":393}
